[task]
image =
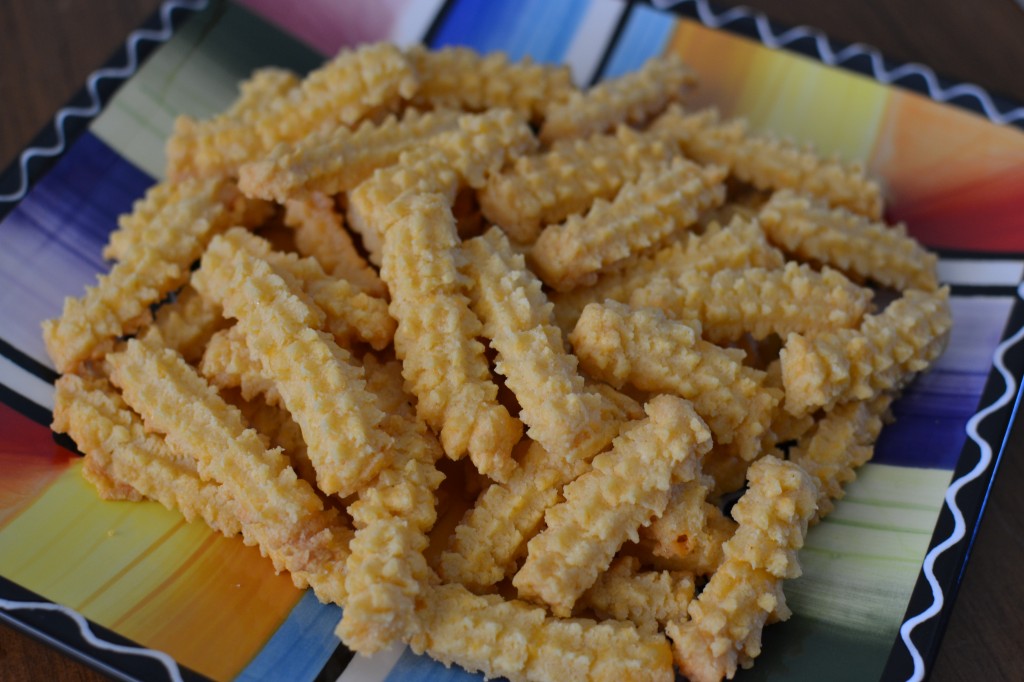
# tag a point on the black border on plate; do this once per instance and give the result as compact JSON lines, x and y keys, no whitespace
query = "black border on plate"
{"x":995,"y":428}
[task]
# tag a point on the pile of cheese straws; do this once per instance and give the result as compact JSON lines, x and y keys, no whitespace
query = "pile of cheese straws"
{"x":667,"y":299}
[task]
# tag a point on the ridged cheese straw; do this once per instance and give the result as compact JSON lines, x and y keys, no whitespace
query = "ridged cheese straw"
{"x":354,"y":85}
{"x":740,"y":244}
{"x":443,"y":363}
{"x":480,"y":146}
{"x":649,"y":599}
{"x":321,"y":234}
{"x":882,"y":354}
{"x":862,"y":248}
{"x":604,"y":507}
{"x":460,"y":78}
{"x":227,"y":363}
{"x":320,"y":383}
{"x":386,"y":574}
{"x":556,"y":407}
{"x":631,"y":98}
{"x":724,"y":630}
{"x":281,"y":431}
{"x":840,"y":442}
{"x":338,"y":160}
{"x":768,"y":162}
{"x":492,"y":537}
{"x":116,"y":443}
{"x":520,"y":642}
{"x":691,"y":531}
{"x":618,"y":344}
{"x":549,"y":187}
{"x":643,"y":215}
{"x":760,"y":302}
{"x":174,"y":237}
{"x":185,"y":324}
{"x":256,"y":94}
{"x":280,"y":513}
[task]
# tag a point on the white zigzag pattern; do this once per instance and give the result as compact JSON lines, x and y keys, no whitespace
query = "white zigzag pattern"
{"x":95,"y":104}
{"x":829,"y":56}
{"x":173,"y":672}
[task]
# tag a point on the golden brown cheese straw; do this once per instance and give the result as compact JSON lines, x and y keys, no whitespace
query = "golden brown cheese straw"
{"x":632,"y":98}
{"x":740,"y":244}
{"x":840,"y":442}
{"x":643,"y":215}
{"x":466,"y":156}
{"x":768,"y":162}
{"x":320,"y":234}
{"x":759,"y":302}
{"x":642,"y":347}
{"x":459,"y":78}
{"x":280,"y":513}
{"x":443,"y":363}
{"x":281,"y":431}
{"x":319,"y":382}
{"x":604,"y":507}
{"x":882,"y":354}
{"x":647,"y":598}
{"x":354,"y":85}
{"x":548,"y":188}
{"x":860,"y":247}
{"x":386,"y":573}
{"x":520,"y":642}
{"x":185,"y":324}
{"x":227,"y":363}
{"x":726,"y":620}
{"x":517,"y":318}
{"x":115,"y":441}
{"x":691,"y":531}
{"x":173,"y":238}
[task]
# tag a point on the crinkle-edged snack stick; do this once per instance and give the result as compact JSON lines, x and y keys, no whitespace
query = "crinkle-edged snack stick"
{"x":279,"y":512}
{"x":386,"y":573}
{"x":443,"y":362}
{"x":883,"y":354}
{"x":256,"y":93}
{"x":116,"y":443}
{"x":320,"y":233}
{"x":556,"y":406}
{"x":354,"y":85}
{"x":186,"y":324}
{"x":643,"y":215}
{"x":319,"y":382}
{"x":691,"y":531}
{"x":862,"y":248}
{"x":175,"y":236}
{"x":619,"y":344}
{"x":549,"y":187}
{"x":492,"y":536}
{"x":228,"y":363}
{"x":631,"y":98}
{"x":466,"y":156}
{"x":649,"y":599}
{"x":460,"y":78}
{"x":759,"y":301}
{"x":519,"y":641}
{"x":281,"y":431}
{"x":604,"y":507}
{"x":768,"y":162}
{"x":724,"y":630}
{"x":740,"y":244}
{"x":337,"y":160}
{"x":838,"y":444}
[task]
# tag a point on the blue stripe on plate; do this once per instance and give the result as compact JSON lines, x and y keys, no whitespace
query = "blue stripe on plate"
{"x":413,"y":668}
{"x":644,"y":36}
{"x":50,"y":245}
{"x":931,"y":416}
{"x":300,"y":647}
{"x":539,"y":29}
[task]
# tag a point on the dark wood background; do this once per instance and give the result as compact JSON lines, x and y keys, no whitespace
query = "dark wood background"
{"x":49,"y":48}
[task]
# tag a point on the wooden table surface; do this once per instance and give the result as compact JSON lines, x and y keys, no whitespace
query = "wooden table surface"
{"x":49,"y":48}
